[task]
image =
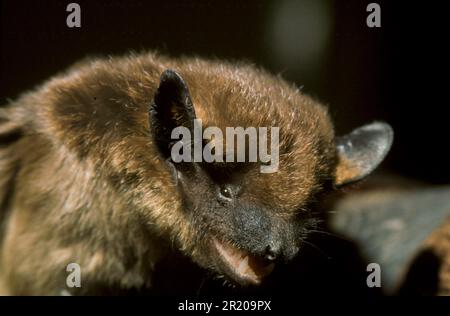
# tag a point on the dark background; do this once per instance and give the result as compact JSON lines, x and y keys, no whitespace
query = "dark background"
{"x":395,"y":73}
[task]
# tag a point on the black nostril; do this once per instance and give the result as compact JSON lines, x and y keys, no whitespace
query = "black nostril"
{"x":271,"y":253}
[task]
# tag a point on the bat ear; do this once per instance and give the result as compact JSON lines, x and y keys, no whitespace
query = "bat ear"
{"x":171,"y":107}
{"x":361,"y":151}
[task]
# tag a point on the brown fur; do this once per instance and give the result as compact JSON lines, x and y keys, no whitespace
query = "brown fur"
{"x":84,"y":182}
{"x":439,"y":244}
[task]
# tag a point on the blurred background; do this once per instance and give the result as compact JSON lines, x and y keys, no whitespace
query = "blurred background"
{"x":393,"y":73}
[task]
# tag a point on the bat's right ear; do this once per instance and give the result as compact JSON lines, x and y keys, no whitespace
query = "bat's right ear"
{"x":361,"y":151}
{"x":171,"y":107}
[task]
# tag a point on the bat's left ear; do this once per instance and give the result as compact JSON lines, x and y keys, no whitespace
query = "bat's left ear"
{"x":172,"y":107}
{"x":361,"y":151}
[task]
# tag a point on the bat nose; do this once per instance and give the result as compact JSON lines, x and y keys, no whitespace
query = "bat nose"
{"x":280,"y":249}
{"x":272,"y":252}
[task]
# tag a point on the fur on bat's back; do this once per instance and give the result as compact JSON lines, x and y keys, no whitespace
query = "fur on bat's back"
{"x":53,"y":213}
{"x":80,"y":160}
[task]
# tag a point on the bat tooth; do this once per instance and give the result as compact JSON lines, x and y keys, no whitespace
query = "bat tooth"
{"x":243,"y":266}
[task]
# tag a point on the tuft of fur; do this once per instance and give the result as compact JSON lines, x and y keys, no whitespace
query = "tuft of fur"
{"x":439,"y":244}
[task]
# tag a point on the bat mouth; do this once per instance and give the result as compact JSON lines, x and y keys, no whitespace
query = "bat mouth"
{"x":241,"y":265}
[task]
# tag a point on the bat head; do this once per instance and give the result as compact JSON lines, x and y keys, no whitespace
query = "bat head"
{"x":244,"y":219}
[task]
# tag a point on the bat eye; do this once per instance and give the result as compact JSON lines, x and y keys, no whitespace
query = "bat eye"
{"x":225,"y":193}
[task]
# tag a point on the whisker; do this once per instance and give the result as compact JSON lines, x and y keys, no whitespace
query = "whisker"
{"x":317,"y":248}
{"x":328,"y":233}
{"x":201,"y":285}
